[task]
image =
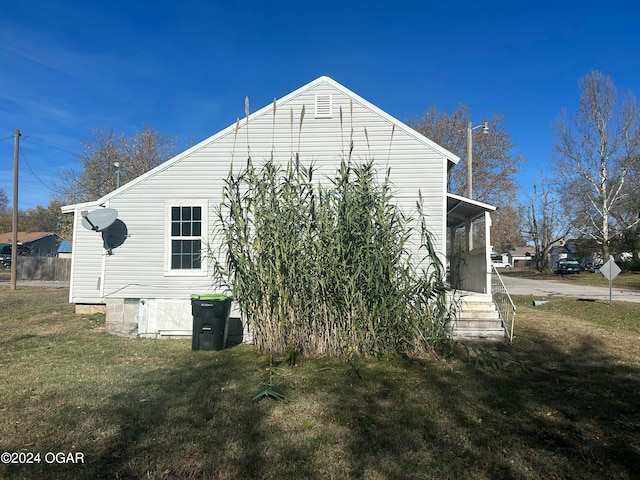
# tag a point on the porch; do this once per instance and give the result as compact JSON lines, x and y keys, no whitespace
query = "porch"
{"x":484,"y":310}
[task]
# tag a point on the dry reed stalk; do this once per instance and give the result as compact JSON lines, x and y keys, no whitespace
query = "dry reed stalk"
{"x":325,"y":270}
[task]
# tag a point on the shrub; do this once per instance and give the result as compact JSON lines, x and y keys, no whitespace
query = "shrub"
{"x":631,"y":265}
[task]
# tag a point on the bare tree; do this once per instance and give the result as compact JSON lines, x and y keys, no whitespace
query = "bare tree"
{"x":494,"y":165}
{"x":509,"y":235}
{"x":4,"y":202}
{"x":594,"y":154}
{"x":545,"y":224}
{"x":110,"y":158}
{"x":628,"y":216}
{"x":5,"y":213}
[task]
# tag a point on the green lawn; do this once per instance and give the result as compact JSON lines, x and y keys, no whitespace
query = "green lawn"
{"x":154,"y":409}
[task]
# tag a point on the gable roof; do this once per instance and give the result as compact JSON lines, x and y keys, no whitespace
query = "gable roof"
{"x":268,"y":109}
{"x":24,"y":237}
{"x":527,"y":251}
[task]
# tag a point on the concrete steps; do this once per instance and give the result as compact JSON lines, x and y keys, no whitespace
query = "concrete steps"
{"x":477,"y":319}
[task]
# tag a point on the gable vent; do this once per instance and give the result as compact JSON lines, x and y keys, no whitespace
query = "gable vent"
{"x":323,"y":106}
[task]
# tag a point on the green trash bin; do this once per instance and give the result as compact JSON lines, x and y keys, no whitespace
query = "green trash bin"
{"x":210,"y":316}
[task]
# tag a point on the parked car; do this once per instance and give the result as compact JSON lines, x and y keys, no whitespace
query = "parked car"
{"x":5,"y":257}
{"x":591,"y":267}
{"x":498,"y":264}
{"x":568,"y":266}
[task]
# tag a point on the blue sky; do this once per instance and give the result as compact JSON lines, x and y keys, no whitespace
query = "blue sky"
{"x":185,"y":67}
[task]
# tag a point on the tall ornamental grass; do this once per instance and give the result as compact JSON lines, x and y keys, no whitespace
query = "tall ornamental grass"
{"x":327,"y":270}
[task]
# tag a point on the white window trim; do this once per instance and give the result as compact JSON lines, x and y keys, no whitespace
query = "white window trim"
{"x":193,"y":202}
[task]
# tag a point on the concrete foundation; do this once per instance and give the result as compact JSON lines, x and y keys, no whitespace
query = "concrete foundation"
{"x":122,"y":317}
{"x":163,"y":318}
{"x":88,"y":309}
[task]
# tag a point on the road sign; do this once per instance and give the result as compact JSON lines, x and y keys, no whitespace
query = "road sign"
{"x":610,"y":269}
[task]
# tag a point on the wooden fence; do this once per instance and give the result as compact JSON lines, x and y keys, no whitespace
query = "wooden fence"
{"x":44,"y":268}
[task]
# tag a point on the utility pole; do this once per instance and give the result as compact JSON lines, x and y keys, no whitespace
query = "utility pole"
{"x":14,"y":238}
{"x":470,"y":180}
{"x":470,"y":161}
{"x":470,"y":129}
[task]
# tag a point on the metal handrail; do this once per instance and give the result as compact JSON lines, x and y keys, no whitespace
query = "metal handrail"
{"x":504,"y":303}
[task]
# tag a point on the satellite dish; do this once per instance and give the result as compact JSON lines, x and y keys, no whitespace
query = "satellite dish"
{"x":115,"y":235}
{"x":100,"y":219}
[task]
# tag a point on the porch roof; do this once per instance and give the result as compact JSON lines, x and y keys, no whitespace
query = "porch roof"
{"x":461,"y":209}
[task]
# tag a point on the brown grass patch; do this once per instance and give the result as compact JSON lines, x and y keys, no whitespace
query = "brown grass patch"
{"x":154,"y":409}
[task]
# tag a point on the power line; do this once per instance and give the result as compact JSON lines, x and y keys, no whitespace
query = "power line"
{"x":52,"y":143}
{"x":76,"y":191}
{"x":24,"y":159}
{"x":48,"y":187}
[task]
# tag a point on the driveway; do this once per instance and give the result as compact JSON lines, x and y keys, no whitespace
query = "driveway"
{"x":550,"y":288}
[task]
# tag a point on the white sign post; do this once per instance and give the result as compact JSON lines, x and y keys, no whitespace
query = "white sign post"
{"x":610,"y":270}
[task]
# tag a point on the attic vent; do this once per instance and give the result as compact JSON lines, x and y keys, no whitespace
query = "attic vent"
{"x":323,"y":106}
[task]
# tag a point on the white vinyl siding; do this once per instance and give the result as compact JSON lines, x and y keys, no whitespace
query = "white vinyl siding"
{"x":86,"y":264}
{"x":139,"y":268}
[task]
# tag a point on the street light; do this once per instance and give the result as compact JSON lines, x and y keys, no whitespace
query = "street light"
{"x":117,"y":165}
{"x":470,"y":129}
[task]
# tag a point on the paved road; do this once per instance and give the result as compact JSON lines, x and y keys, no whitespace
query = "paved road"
{"x":551,"y":288}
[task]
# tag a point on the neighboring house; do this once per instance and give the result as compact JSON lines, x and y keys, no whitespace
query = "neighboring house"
{"x":37,"y":244}
{"x":563,"y":250}
{"x":146,"y":265}
{"x":574,"y":249}
{"x":64,"y":250}
{"x":521,"y":257}
{"x":518,"y":257}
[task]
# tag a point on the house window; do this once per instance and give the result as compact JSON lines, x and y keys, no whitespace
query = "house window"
{"x":186,"y":243}
{"x":186,"y":229}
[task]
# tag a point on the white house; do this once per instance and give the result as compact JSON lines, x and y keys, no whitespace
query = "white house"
{"x":144,"y":267}
{"x":522,"y":257}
